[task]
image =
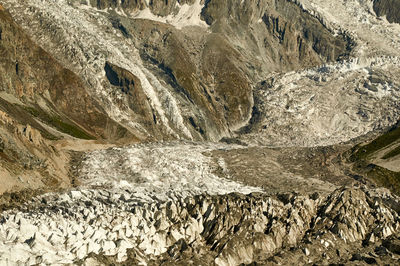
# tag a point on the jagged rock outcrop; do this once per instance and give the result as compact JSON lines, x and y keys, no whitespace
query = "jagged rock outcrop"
{"x":225,"y":230}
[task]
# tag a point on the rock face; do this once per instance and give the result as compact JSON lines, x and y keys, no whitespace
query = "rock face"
{"x":388,"y":8}
{"x":197,"y":83}
{"x":134,"y":97}
{"x":281,"y":30}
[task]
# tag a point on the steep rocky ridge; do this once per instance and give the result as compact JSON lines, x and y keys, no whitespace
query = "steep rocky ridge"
{"x":217,"y":94}
{"x":179,"y":68}
{"x":285,"y":36}
{"x":134,"y":97}
{"x":34,"y":78}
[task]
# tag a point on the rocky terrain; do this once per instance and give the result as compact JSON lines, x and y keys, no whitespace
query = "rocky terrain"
{"x":199,"y":132}
{"x":389,"y":8}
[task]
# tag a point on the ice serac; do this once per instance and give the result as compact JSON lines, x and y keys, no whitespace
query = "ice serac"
{"x":225,"y":230}
{"x":330,"y":104}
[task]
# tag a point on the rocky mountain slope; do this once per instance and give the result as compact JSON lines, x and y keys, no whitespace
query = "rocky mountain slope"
{"x":199,"y":132}
{"x":388,"y":8}
{"x":196,"y":84}
{"x":41,"y":102}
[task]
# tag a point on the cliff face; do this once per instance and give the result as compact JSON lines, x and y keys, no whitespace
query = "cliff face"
{"x":280,"y":31}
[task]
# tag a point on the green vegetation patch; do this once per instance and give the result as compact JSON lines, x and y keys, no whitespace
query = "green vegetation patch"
{"x":386,"y":178}
{"x":377,"y":144}
{"x":392,"y":153}
{"x":379,"y":175}
{"x":58,"y":123}
{"x":22,"y":116}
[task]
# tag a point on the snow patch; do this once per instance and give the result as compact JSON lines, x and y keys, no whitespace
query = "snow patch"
{"x":159,"y":171}
{"x":330,"y":104}
{"x":188,"y":15}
